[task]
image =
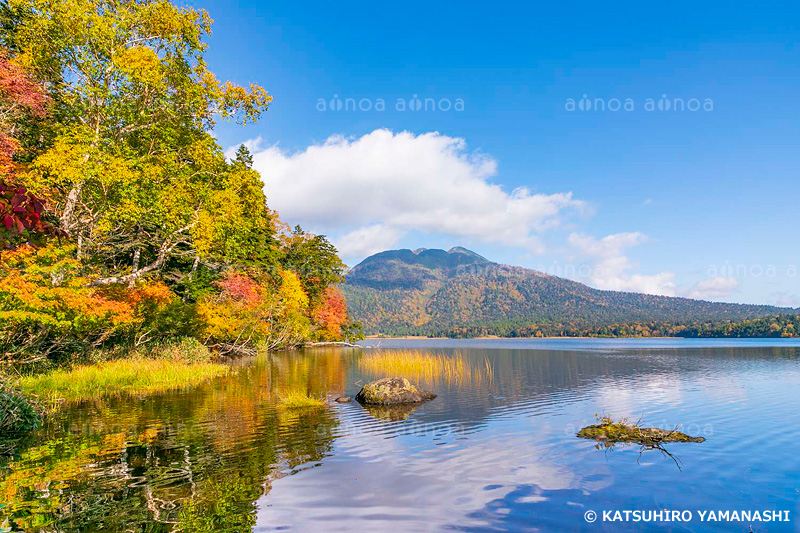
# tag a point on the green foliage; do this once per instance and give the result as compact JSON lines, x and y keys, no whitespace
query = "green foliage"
{"x":352,"y":332}
{"x":778,"y":326}
{"x":313,"y":258}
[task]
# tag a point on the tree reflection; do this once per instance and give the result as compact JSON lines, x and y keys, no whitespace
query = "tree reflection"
{"x":196,"y":461}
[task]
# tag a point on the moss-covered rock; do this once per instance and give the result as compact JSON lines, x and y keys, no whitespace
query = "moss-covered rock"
{"x":611,"y":432}
{"x":392,"y":391}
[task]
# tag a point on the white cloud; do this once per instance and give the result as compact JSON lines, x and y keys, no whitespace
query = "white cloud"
{"x":611,"y":267}
{"x":253,"y":145}
{"x":368,"y":240}
{"x":366,"y":193}
{"x":383,"y":184}
{"x":714,"y":288}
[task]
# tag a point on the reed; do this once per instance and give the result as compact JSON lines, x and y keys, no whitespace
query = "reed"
{"x":123,"y":376}
{"x":426,"y":366}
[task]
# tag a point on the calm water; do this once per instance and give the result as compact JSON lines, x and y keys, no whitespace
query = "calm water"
{"x":495,"y":454}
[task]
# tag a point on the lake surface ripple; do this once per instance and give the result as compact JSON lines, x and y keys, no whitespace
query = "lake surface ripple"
{"x":491,"y":453}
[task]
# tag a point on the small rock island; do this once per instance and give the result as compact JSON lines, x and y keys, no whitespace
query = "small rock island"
{"x":611,"y":432}
{"x":392,"y":391}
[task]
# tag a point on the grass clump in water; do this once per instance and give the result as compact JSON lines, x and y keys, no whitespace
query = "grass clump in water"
{"x":610,"y":432}
{"x":424,"y":366}
{"x":296,"y":399}
{"x":123,"y":376}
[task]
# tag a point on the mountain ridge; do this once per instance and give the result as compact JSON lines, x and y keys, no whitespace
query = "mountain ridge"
{"x":438,"y":292}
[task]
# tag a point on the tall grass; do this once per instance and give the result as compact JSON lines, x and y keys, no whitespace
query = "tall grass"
{"x":425,"y":366}
{"x":124,"y":376}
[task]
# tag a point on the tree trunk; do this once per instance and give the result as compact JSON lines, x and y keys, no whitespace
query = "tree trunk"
{"x":135,"y":268}
{"x":163,"y":253}
{"x":66,"y":220}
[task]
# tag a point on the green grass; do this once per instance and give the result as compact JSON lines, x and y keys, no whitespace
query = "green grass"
{"x":299,"y":400}
{"x":124,"y":376}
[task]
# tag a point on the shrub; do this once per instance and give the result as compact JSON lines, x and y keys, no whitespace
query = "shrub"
{"x":17,"y":414}
{"x":184,"y":349}
{"x":49,"y":310}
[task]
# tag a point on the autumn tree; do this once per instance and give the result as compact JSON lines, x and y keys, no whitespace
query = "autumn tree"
{"x":313,"y":257}
{"x":106,"y":113}
{"x":133,"y":174}
{"x":330,"y":315}
{"x":21,"y":98}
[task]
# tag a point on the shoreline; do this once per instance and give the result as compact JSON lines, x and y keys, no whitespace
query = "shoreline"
{"x":413,"y":337}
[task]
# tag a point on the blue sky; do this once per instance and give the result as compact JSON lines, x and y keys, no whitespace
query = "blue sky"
{"x":691,"y":203}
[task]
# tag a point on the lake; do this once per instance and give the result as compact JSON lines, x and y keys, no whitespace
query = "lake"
{"x":496,"y":451}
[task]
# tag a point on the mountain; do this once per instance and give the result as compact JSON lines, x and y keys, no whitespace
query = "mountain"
{"x":458,"y":292}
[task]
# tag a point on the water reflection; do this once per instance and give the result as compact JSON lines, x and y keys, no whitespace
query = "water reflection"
{"x":196,"y":461}
{"x":496,"y":454}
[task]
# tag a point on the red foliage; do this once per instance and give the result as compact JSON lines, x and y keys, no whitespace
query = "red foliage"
{"x":20,"y":97}
{"x":20,"y":212}
{"x":240,"y":288}
{"x":18,"y":88}
{"x":331,"y":314}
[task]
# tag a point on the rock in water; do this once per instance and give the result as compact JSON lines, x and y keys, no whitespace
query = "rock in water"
{"x":392,"y":391}
{"x":611,"y":432}
{"x":343,"y":399}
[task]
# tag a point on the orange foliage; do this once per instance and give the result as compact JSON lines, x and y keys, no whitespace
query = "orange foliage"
{"x":252,"y":311}
{"x":45,"y":291}
{"x":331,"y":314}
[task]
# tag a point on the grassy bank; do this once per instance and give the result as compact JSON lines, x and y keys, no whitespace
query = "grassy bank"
{"x":124,"y":376}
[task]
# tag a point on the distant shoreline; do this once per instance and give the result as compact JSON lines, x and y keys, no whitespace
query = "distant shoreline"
{"x":493,"y":337}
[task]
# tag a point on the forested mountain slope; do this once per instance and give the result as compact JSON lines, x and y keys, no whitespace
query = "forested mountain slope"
{"x":458,"y":292}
